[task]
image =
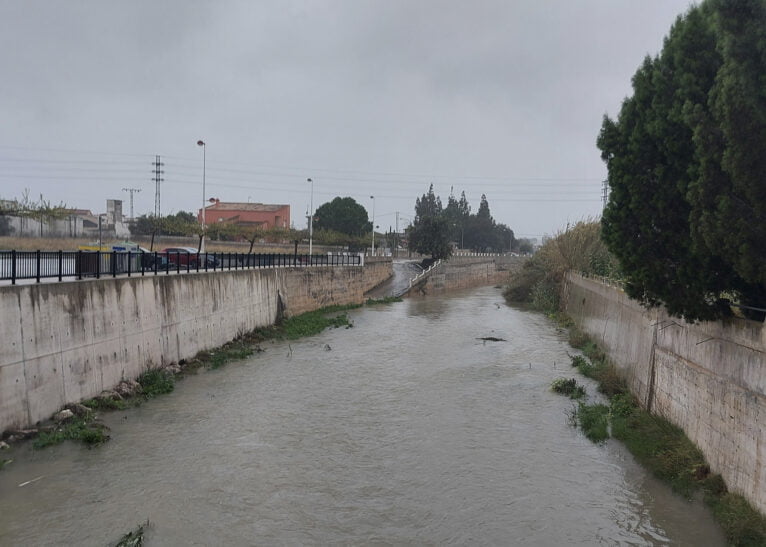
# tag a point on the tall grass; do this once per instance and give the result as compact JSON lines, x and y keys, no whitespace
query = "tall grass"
{"x":578,"y":248}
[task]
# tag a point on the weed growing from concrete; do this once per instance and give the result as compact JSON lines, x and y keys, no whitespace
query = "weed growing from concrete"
{"x":568,"y":387}
{"x":306,"y":324}
{"x":106,"y":403}
{"x":594,"y":421}
{"x":83,"y":429}
{"x":156,"y":382}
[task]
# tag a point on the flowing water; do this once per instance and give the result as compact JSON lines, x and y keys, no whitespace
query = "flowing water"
{"x":405,"y":429}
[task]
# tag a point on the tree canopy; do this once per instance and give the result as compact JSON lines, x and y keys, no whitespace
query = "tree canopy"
{"x":436,"y":229}
{"x":342,"y":215}
{"x":429,"y":233}
{"x":686,"y":158}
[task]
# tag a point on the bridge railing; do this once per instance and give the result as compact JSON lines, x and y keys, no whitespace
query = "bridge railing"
{"x":60,"y":265}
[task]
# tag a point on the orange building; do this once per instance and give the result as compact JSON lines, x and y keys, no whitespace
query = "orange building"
{"x":248,"y":214}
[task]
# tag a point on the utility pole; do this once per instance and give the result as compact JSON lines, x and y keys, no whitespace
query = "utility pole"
{"x":396,"y":243}
{"x":604,"y":193}
{"x":132,"y":191}
{"x":310,"y":214}
{"x":158,"y":172}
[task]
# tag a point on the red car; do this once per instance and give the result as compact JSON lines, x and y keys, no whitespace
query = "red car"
{"x":187,"y":255}
{"x":180,"y":255}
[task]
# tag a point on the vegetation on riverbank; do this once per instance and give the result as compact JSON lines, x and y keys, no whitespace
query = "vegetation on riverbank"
{"x":568,"y":387}
{"x":306,"y":324}
{"x":134,"y":538}
{"x":79,"y":422}
{"x":578,"y":248}
{"x":658,"y":445}
{"x":384,"y":300}
{"x":83,"y":429}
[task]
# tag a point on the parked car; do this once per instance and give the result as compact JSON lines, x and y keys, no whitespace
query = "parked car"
{"x":182,"y":256}
{"x":148,"y":259}
{"x":188,"y":256}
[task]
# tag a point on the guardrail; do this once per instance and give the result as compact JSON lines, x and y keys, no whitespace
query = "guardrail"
{"x":60,"y":265}
{"x":424,"y":273}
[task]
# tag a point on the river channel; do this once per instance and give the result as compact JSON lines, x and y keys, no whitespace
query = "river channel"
{"x":403,"y":430}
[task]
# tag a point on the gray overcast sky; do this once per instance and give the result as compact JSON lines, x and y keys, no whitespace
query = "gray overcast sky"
{"x":366,"y":97}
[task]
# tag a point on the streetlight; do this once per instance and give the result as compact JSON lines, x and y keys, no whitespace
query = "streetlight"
{"x":373,"y":224}
{"x":311,"y":219}
{"x":202,"y":240}
{"x":100,"y":218}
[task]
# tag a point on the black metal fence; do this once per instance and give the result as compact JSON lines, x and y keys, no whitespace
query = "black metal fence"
{"x":38,"y":265}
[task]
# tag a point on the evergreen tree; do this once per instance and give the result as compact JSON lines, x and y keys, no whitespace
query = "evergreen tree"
{"x":483,"y":234}
{"x":683,"y":158}
{"x":429,"y":233}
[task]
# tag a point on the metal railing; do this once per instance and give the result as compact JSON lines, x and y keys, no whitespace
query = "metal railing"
{"x":424,"y":273}
{"x":60,"y":265}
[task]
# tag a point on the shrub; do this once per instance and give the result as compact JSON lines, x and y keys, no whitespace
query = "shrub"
{"x":594,"y":421}
{"x":156,"y":382}
{"x":568,"y":387}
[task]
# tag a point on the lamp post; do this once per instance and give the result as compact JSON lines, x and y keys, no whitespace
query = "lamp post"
{"x":311,"y":219}
{"x":100,"y":218}
{"x":202,"y":240}
{"x":373,"y":224}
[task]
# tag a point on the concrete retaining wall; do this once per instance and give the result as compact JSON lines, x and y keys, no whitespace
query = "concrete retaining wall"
{"x":64,"y":342}
{"x":460,"y":272}
{"x":708,"y":378}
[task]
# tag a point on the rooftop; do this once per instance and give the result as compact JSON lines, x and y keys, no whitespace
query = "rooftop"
{"x":233,"y":206}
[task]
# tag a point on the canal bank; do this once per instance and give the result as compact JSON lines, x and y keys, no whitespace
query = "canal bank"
{"x":463,"y":271}
{"x":382,"y":438}
{"x":65,"y":342}
{"x":708,"y":378}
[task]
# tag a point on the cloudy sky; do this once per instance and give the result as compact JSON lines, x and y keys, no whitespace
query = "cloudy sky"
{"x":366,"y":97}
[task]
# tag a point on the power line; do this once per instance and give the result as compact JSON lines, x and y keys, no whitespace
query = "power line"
{"x":132,"y":191}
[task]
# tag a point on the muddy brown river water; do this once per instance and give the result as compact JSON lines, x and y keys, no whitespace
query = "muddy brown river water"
{"x":403,"y":430}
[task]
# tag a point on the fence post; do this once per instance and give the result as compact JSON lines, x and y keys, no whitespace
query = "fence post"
{"x":61,"y":263}
{"x":13,"y":267}
{"x":113,"y":257}
{"x":37,"y":277}
{"x":98,"y":264}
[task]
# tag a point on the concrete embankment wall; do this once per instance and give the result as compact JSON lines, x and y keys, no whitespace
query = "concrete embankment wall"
{"x":460,"y":272}
{"x":64,"y":342}
{"x":707,"y":378}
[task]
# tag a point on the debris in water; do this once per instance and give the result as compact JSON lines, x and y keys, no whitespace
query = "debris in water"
{"x":30,"y":482}
{"x":491,"y":339}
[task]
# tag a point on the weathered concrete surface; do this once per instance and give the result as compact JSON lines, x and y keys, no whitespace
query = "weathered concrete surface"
{"x":707,"y":378}
{"x":461,"y":272}
{"x":64,"y":342}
